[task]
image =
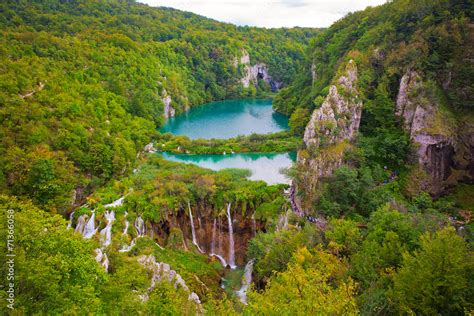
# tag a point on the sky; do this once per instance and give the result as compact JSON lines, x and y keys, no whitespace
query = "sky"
{"x":270,"y":13}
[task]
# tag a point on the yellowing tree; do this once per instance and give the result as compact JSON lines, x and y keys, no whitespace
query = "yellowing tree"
{"x":313,"y":284}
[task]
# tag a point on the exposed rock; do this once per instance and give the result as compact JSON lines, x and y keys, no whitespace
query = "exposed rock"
{"x":328,"y":134}
{"x":431,"y":130}
{"x":338,"y":118}
{"x":169,"y":111}
{"x":149,"y":148}
{"x":162,"y":272}
{"x":252,"y":73}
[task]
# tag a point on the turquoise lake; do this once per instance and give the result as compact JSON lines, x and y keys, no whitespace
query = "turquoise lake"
{"x":227,"y":119}
{"x":266,"y":167}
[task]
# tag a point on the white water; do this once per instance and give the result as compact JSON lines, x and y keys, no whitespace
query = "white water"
{"x":89,"y":229}
{"x":71,"y":217}
{"x":116,"y":203}
{"x":125,"y":230}
{"x":221,"y":259}
{"x":140,"y":226}
{"x":193,"y":231}
{"x":129,"y":247}
{"x":106,"y":233}
{"x":213,"y":240}
{"x":102,"y":259}
{"x":231,"y":239}
{"x":81,"y":223}
{"x":246,"y":281}
{"x":213,"y":245}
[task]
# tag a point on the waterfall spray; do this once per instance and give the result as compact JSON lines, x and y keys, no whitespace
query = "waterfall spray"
{"x":246,"y":281}
{"x":106,"y":233}
{"x":193,"y":231}
{"x":71,"y":217}
{"x":231,"y":239}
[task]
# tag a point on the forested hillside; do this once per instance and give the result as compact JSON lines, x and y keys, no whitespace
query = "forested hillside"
{"x":377,"y":219}
{"x":85,"y":84}
{"x":397,"y":80}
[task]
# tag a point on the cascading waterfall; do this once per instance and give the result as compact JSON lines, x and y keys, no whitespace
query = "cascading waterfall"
{"x":89,"y":229}
{"x":246,"y":281}
{"x":193,"y":231}
{"x":231,"y":239}
{"x":102,"y":259}
{"x":129,"y":247}
{"x":71,"y":217}
{"x":81,"y":224}
{"x":213,"y":240}
{"x":213,"y":245}
{"x":140,"y":226}
{"x":116,"y":203}
{"x":125,"y":230}
{"x":106,"y":233}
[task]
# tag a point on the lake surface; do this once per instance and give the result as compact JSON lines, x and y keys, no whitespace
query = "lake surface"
{"x":266,"y":167}
{"x":227,"y":119}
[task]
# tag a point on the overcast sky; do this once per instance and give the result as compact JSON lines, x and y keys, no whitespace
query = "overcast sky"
{"x":270,"y":13}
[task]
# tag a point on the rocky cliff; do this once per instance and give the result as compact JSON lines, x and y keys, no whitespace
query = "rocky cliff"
{"x":443,"y":144}
{"x":252,"y":73}
{"x":329,"y":132}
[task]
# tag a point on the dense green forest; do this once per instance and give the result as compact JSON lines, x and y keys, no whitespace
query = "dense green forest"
{"x":371,"y":225}
{"x":83,"y":85}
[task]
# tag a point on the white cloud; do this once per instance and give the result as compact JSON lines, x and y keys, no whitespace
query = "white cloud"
{"x":270,"y":13}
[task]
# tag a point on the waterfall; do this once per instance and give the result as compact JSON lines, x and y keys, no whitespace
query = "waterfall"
{"x":102,"y":259}
{"x":81,"y":224}
{"x":71,"y":217}
{"x":193,"y":231}
{"x":116,"y":203}
{"x":213,"y":240}
{"x":140,"y":226}
{"x":221,"y":259}
{"x":246,"y":281}
{"x":128,"y":248}
{"x":106,"y":233}
{"x":231,"y":239}
{"x":125,"y":230}
{"x":213,"y":245}
{"x":89,"y":229}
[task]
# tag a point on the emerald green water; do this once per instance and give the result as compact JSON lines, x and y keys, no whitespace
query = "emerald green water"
{"x":266,"y":167}
{"x":227,"y":119}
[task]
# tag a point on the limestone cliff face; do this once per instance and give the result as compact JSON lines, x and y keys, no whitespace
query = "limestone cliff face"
{"x":252,"y":73}
{"x":329,"y":131}
{"x":442,"y":149}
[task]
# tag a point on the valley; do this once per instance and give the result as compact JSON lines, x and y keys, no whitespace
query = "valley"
{"x":158,"y":162}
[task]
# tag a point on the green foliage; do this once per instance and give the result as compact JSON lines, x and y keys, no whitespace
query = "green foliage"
{"x":311,"y":285}
{"x":437,"y":279}
{"x":273,"y":251}
{"x":271,"y":143}
{"x":298,"y":120}
{"x":86,"y":80}
{"x":55,"y":271}
{"x":352,"y":191}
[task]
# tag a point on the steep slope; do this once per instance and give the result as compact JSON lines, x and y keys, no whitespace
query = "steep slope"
{"x":414,"y":74}
{"x":84,"y":85}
